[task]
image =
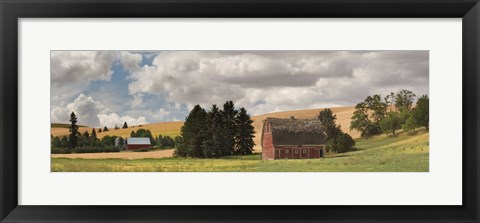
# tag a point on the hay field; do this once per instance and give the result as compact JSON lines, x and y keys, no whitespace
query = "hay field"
{"x":171,"y":129}
{"x":61,"y":131}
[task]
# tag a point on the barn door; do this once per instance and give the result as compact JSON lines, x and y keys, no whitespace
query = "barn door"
{"x":304,"y":153}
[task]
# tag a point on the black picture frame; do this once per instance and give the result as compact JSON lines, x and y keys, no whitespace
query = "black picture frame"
{"x":12,"y":10}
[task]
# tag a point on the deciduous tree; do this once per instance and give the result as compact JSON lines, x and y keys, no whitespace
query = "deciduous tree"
{"x":421,"y":111}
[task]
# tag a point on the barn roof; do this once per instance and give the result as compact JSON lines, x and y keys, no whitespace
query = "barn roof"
{"x":138,"y":141}
{"x":296,"y":131}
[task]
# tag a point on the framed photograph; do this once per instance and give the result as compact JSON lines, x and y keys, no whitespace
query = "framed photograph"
{"x":253,"y":111}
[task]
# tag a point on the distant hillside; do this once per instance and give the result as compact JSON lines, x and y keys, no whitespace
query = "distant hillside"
{"x":172,"y":129}
{"x":63,"y":125}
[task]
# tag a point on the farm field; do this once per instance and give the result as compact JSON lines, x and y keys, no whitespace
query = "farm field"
{"x":401,"y":153}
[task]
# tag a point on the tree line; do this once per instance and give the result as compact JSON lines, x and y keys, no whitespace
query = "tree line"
{"x":162,"y":142}
{"x":76,"y":142}
{"x":216,"y":133}
{"x":377,"y":115}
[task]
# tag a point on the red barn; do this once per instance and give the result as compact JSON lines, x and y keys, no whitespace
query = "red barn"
{"x":292,"y":139}
{"x":134,"y":143}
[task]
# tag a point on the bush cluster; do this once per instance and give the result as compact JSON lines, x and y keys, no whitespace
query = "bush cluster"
{"x":375,"y":116}
{"x":85,"y":149}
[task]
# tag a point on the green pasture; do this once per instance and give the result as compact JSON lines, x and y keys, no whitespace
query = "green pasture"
{"x":401,"y":153}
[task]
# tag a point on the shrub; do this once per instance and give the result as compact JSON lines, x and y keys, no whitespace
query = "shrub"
{"x":343,"y":143}
{"x":141,"y":150}
{"x":60,"y":150}
{"x":88,"y":149}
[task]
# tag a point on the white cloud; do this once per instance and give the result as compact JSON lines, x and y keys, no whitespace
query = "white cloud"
{"x":137,"y":100}
{"x":265,"y":81}
{"x":84,"y":107}
{"x":112,"y":119}
{"x":130,"y":61}
{"x":261,"y":81}
{"x":161,"y":114}
{"x":81,"y":66}
{"x":91,"y":113}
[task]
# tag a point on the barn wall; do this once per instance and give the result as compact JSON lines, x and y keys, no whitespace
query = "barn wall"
{"x":287,"y":152}
{"x":134,"y":147}
{"x":268,"y":152}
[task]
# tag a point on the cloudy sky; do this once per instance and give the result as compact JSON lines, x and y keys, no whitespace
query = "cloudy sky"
{"x":105,"y":88}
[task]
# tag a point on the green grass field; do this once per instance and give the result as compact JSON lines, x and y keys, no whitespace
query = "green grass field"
{"x":401,"y":153}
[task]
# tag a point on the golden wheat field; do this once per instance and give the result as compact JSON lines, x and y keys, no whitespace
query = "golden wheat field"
{"x":172,"y":129}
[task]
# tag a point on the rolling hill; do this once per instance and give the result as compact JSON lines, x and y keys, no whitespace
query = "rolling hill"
{"x":173,"y":128}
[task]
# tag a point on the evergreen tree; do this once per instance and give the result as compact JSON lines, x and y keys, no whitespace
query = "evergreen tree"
{"x":178,"y":141}
{"x":133,"y":134}
{"x":93,"y":138}
{"x":116,"y":127}
{"x":337,"y":141}
{"x":64,"y":142}
{"x":73,"y":136}
{"x":327,"y":118}
{"x":125,"y":126}
{"x":121,"y":142}
{"x":56,"y":142}
{"x":167,"y":142}
{"x":212,"y":145}
{"x":229,"y":127}
{"x":159,"y":141}
{"x":84,"y":139}
{"x":105,"y":129}
{"x":245,"y":133}
{"x":86,"y":135}
{"x":99,"y":130}
{"x":193,"y":133}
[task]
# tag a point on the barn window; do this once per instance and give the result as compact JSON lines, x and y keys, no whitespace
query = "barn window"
{"x":304,"y":151}
{"x":286,"y":151}
{"x":296,"y":151}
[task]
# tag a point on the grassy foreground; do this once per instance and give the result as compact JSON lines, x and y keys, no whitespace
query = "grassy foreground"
{"x":402,"y":153}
